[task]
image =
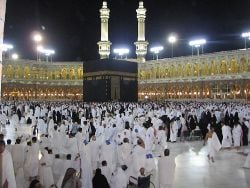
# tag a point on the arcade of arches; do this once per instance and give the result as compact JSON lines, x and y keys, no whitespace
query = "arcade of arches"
{"x":221,"y":75}
{"x":29,"y":80}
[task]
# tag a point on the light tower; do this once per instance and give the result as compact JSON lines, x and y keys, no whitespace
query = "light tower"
{"x":2,"y":21}
{"x":141,"y":44}
{"x":104,"y":44}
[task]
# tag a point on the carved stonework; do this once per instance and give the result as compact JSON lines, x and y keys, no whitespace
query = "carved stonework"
{"x":195,"y":76}
{"x":42,"y":80}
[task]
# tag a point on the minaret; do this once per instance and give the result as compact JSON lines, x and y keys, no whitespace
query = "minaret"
{"x":104,"y":44}
{"x":141,"y":44}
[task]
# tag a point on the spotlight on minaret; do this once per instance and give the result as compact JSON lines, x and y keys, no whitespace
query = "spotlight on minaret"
{"x":104,"y":44}
{"x":141,"y":44}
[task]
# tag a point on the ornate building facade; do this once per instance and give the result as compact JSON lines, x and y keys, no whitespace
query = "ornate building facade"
{"x":29,"y":80}
{"x":221,"y":75}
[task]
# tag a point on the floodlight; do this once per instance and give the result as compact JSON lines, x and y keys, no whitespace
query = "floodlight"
{"x":15,"y":56}
{"x":37,"y":38}
{"x":197,"y":43}
{"x":121,"y":51}
{"x":6,"y":47}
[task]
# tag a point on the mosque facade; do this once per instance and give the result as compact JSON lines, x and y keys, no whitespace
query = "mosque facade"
{"x":220,"y":75}
{"x":32,"y":80}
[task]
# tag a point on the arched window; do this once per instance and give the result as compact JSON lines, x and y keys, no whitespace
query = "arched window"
{"x":213,"y":68}
{"x":223,"y":67}
{"x":27,"y":74}
{"x":64,"y":73}
{"x":243,"y":65}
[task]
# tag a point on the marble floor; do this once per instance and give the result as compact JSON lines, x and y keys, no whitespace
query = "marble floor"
{"x":193,"y":168}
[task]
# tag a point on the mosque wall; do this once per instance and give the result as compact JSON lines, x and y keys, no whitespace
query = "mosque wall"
{"x":221,"y":75}
{"x":29,"y":80}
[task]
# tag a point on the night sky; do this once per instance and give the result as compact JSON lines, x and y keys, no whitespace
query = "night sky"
{"x":72,"y":27}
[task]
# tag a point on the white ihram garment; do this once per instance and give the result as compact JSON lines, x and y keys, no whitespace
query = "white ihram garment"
{"x":32,"y":163}
{"x":213,"y":145}
{"x":227,"y":137}
{"x":86,"y":169}
{"x":45,"y":171}
{"x":237,"y":134}
{"x":166,"y":170}
{"x":7,"y":169}
{"x":247,"y":162}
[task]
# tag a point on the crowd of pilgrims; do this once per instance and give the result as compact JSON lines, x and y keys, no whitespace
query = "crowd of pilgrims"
{"x":101,"y":145}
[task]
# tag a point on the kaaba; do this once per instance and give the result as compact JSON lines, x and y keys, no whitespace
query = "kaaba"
{"x":108,"y":80}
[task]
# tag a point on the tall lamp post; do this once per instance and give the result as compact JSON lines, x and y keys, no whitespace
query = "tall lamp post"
{"x":6,"y":49}
{"x":47,"y":52}
{"x":37,"y":38}
{"x":172,"y":40}
{"x":156,"y":50}
{"x":197,"y":44}
{"x":246,"y":36}
{"x":121,"y":52}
